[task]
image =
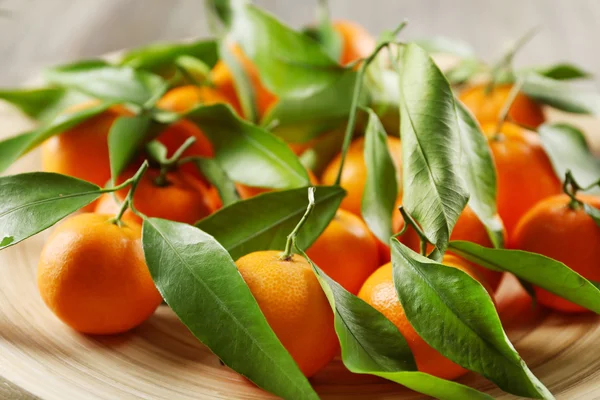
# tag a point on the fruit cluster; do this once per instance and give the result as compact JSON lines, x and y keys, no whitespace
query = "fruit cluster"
{"x":191,"y":163}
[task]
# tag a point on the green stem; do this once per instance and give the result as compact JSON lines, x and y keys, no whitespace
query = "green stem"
{"x":128,"y":202}
{"x":355,"y":98}
{"x":512,"y":95}
{"x":291,"y":239}
{"x":408,"y":220}
{"x":172,"y":162}
{"x":571,"y":187}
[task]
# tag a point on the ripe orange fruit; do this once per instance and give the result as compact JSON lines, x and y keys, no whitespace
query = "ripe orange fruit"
{"x":468,"y":227}
{"x":379,"y":292}
{"x":82,"y":151}
{"x":294,"y":305}
{"x":184,"y":98}
{"x":247,"y":192}
{"x":93,"y":276}
{"x":183,"y":199}
{"x":357,"y":42}
{"x":346,"y":251}
{"x":568,"y":235}
{"x":487,"y":106}
{"x":524,"y":172}
{"x":223,"y":80}
{"x":354,"y":175}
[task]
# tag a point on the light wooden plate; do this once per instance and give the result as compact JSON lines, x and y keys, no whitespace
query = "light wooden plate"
{"x":41,"y":357}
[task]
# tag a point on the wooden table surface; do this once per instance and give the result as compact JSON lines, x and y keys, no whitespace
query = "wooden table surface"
{"x":35,"y":33}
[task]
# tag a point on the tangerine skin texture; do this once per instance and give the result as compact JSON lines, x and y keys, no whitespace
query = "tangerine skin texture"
{"x":570,"y":236}
{"x":294,"y":305}
{"x":379,"y":292}
{"x":487,"y":107}
{"x":354,"y":175}
{"x":347,"y":251}
{"x":93,"y":276}
{"x":469,"y":228}
{"x":524,"y":172}
{"x":184,"y":199}
{"x":357,"y":42}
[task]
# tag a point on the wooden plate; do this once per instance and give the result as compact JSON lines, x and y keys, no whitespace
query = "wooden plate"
{"x":41,"y":357}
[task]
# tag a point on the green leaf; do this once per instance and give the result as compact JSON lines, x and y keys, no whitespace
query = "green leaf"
{"x":157,"y":151}
{"x":243,"y":85}
{"x":540,"y":270}
{"x":567,"y":148}
{"x":13,"y":148}
{"x":212,"y":171}
{"x":445,"y":45}
{"x":452,"y":312}
{"x":264,"y":221}
{"x":371,"y":344}
{"x":318,"y":156}
{"x":160,"y":57}
{"x":464,"y":71}
{"x":249,"y":154}
{"x":434,"y":193}
{"x":381,"y":187}
{"x":194,"y":70}
{"x":42,"y":104}
{"x":479,"y":173}
{"x":328,"y":37}
{"x":200,"y":282}
{"x":120,"y":84}
{"x":562,"y":71}
{"x":290,"y":63}
{"x":126,"y":138}
{"x":561,"y":95}
{"x":32,"y":202}
{"x":592,"y":212}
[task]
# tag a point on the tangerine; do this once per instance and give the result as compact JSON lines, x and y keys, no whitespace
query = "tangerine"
{"x":291,"y":298}
{"x":93,"y":276}
{"x":357,"y":42}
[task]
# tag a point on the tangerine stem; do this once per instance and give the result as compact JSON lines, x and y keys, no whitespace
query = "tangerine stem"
{"x":512,"y":96}
{"x":291,"y":239}
{"x":408,"y":220}
{"x":172,"y":162}
{"x":128,"y":202}
{"x":356,"y":96}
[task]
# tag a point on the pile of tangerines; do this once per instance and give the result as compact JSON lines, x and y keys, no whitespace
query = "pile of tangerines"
{"x":93,"y":276}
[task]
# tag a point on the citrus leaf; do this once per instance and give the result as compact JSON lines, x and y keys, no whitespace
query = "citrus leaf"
{"x":445,"y":45}
{"x":537,"y":269}
{"x":193,"y":70}
{"x":157,"y":151}
{"x":434,"y":193}
{"x":381,"y":187}
{"x":452,"y":312}
{"x":126,"y":138}
{"x":317,"y":157}
{"x":13,"y":148}
{"x":290,"y":64}
{"x":567,"y":149}
{"x":479,"y":173}
{"x":371,"y":344}
{"x":32,"y":202}
{"x":562,"y":71}
{"x":593,"y":212}
{"x":161,"y":57}
{"x":119,"y":84}
{"x":42,"y":104}
{"x":212,"y":171}
{"x":248,"y":153}
{"x":264,"y":221}
{"x":561,"y":95}
{"x":243,"y":85}
{"x":200,"y":282}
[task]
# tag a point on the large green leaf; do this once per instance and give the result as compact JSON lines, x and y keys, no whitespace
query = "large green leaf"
{"x":263,"y":222}
{"x":371,"y":344}
{"x":42,"y":104}
{"x":202,"y":285}
{"x":562,"y":71}
{"x":452,"y":312}
{"x":160,"y":57}
{"x":434,"y":193}
{"x":13,"y":148}
{"x":213,"y":172}
{"x":567,"y":148}
{"x":120,"y":84}
{"x":561,"y":95}
{"x":32,"y":202}
{"x":248,"y":153}
{"x":381,"y":186}
{"x":479,"y":173}
{"x":537,"y":269}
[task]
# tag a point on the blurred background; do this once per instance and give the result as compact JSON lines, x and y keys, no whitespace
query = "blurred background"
{"x":38,"y":33}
